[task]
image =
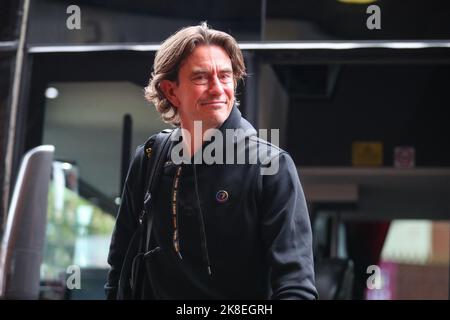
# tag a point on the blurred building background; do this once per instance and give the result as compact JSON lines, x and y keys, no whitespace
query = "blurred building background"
{"x":362,"y":111}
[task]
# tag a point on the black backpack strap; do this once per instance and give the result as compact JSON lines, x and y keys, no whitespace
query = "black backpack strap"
{"x":154,"y":169}
{"x":130,"y":274}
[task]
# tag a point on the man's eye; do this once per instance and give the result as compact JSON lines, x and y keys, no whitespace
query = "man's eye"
{"x":200,"y":79}
{"x":225,"y":77}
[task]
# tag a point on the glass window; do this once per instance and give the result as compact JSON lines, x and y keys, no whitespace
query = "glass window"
{"x":84,"y":121}
{"x":9,"y":16}
{"x":78,"y":235}
{"x":152,"y":21}
{"x":347,"y":20}
{"x":329,"y":107}
{"x":414,"y":261}
{"x":400,"y":259}
{"x":138,"y":21}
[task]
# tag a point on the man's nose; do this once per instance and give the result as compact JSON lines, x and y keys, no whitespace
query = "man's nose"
{"x":215,"y":86}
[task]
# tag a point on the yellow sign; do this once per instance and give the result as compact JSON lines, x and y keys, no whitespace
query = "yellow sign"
{"x":368,"y":154}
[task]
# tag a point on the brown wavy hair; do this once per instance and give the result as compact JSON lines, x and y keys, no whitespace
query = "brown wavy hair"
{"x":175,"y":50}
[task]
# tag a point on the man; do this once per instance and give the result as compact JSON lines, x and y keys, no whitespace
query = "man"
{"x":221,"y":230}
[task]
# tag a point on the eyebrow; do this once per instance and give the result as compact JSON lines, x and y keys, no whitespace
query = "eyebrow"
{"x":202,"y":71}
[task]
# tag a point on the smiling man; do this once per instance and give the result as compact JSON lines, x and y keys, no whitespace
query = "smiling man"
{"x":220,"y":231}
{"x":203,"y":92}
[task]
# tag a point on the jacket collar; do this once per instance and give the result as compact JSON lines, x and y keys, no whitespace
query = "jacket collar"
{"x":236,"y":121}
{"x":233,"y":121}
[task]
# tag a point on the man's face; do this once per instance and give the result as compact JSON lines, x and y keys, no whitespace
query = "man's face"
{"x":205,"y":89}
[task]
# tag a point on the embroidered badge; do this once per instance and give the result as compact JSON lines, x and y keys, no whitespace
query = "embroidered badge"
{"x":221,"y":196}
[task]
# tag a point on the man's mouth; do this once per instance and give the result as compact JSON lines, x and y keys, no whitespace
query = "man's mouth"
{"x":210,"y":103}
{"x":213,"y":102}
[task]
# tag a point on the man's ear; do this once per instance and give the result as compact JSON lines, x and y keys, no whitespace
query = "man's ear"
{"x":168,"y":88}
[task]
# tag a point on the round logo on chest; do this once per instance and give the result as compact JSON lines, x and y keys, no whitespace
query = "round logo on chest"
{"x":221,"y":196}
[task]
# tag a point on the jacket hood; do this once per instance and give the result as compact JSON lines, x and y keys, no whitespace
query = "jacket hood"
{"x":235,"y":121}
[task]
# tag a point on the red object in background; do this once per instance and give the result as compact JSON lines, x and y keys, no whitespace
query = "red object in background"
{"x":404,"y":157}
{"x":367,"y":238}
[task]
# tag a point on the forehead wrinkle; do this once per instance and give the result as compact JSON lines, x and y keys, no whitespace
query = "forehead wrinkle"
{"x":206,"y":63}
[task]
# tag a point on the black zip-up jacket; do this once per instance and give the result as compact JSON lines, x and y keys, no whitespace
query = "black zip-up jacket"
{"x":255,"y":237}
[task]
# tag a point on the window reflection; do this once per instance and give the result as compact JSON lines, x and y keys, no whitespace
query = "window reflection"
{"x":78,"y":231}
